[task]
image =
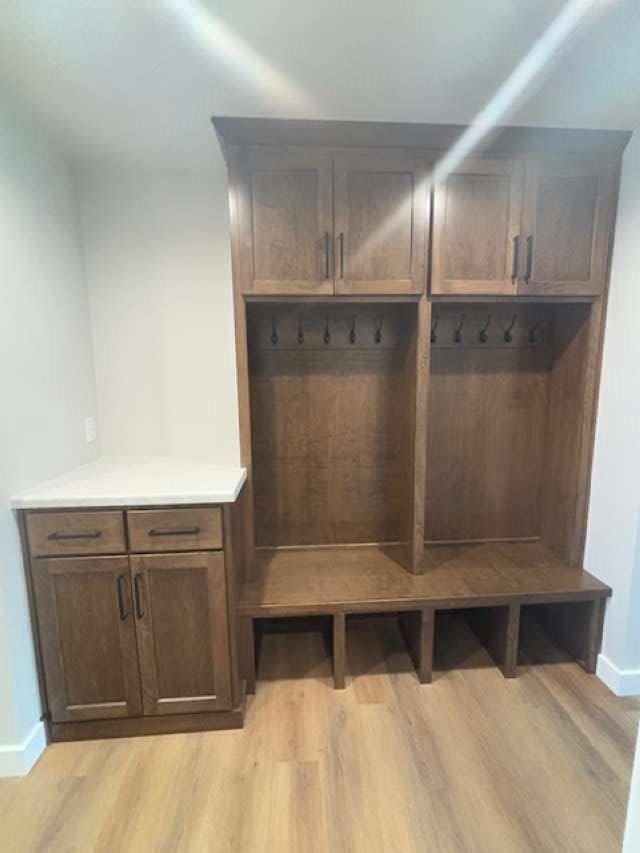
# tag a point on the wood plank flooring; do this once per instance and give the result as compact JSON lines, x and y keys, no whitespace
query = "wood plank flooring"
{"x":472,"y":762}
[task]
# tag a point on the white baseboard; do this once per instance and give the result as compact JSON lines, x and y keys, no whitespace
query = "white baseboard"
{"x":18,"y":759}
{"x":622,"y":682}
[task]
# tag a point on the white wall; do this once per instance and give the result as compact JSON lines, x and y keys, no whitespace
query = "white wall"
{"x":47,"y":386}
{"x":613,"y":538}
{"x":632,"y":830}
{"x":158,"y":268}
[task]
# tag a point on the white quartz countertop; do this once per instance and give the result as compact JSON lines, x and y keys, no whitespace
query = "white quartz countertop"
{"x":147,"y":481}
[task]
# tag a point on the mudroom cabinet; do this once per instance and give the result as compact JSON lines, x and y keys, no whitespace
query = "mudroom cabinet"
{"x":134,"y":613}
{"x":322,"y":222}
{"x":418,"y":337}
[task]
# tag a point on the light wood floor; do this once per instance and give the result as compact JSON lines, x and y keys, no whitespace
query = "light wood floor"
{"x":470,"y":763}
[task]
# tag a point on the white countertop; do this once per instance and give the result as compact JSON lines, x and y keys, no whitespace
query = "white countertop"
{"x":135,"y":481}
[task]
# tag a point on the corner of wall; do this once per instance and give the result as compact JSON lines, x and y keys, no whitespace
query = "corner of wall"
{"x":18,"y":759}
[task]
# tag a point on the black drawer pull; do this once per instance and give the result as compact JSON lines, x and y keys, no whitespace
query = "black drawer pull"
{"x":516,"y":257}
{"x":124,"y":611}
{"x":136,"y":590}
{"x":528,"y":271}
{"x":62,"y":537}
{"x":174,"y":531}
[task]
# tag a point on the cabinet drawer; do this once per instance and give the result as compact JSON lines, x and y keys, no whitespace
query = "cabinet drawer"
{"x":54,"y":534}
{"x":188,"y":529}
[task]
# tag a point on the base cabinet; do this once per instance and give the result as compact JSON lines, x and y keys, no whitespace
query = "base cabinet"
{"x":135,"y":636}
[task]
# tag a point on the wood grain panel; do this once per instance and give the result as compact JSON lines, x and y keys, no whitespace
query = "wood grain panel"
{"x":182,"y":632}
{"x":477,"y":213}
{"x":485,"y":443}
{"x":381,"y":221}
{"x":286,"y":221}
{"x":87,"y":637}
{"x":568,"y":217}
{"x":330,"y":441}
{"x":67,"y":533}
{"x":299,"y":581}
{"x":177,"y":529}
{"x":569,"y":428}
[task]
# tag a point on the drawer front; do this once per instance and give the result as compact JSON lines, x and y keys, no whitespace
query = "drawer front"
{"x":188,"y":529}
{"x":55,"y":534}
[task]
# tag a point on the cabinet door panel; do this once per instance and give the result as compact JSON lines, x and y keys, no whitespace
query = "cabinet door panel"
{"x":88,"y":637}
{"x":477,"y":211}
{"x":286,"y":223}
{"x":569,"y":208}
{"x":183,"y":642}
{"x":381,"y":207}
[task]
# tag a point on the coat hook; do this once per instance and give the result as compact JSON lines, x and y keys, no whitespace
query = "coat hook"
{"x":300,"y":337}
{"x":533,"y":338}
{"x":352,"y":333}
{"x":508,"y":337}
{"x":482,"y":336}
{"x":274,"y":332}
{"x":378,"y":335}
{"x":327,"y":334}
{"x":457,"y":335}
{"x":434,"y":326}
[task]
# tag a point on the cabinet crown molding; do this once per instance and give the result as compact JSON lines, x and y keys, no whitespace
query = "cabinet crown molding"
{"x":243,"y":131}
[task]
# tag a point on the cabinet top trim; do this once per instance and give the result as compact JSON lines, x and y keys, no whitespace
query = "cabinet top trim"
{"x":265,"y":131}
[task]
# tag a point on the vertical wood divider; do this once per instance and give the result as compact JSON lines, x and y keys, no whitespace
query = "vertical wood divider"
{"x":248,"y":653}
{"x":511,"y":642}
{"x":339,"y":651}
{"x":242,"y":355}
{"x":420,"y":362}
{"x":594,"y":637}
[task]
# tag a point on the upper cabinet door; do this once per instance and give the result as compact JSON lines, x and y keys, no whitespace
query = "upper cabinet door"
{"x":381,"y":221}
{"x":568,"y":217}
{"x":476,"y":225}
{"x":182,"y":631}
{"x":286,"y":221}
{"x":86,"y":624}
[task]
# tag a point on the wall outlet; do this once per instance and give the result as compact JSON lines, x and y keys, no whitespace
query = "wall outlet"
{"x":90,"y":430}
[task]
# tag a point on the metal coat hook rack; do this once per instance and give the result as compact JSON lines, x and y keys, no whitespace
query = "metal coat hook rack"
{"x":482,"y":335}
{"x":533,"y":337}
{"x":508,"y":336}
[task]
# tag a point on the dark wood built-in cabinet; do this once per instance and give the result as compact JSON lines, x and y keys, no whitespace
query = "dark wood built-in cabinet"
{"x":532,"y":226}
{"x":418,"y":339}
{"x":139,"y":635}
{"x":322,"y":222}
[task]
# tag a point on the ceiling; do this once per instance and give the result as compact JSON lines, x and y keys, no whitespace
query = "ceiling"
{"x":137,"y":80}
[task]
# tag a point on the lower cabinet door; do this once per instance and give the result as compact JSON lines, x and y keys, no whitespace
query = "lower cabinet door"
{"x":182,"y":632}
{"x":87,"y":632}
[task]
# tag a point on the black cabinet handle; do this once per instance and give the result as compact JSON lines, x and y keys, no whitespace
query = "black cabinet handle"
{"x":136,"y":589}
{"x":529,"y":269}
{"x":327,"y":269}
{"x":174,"y":531}
{"x":516,"y":257}
{"x":61,"y":537}
{"x":341,"y":253}
{"x":124,"y":611}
